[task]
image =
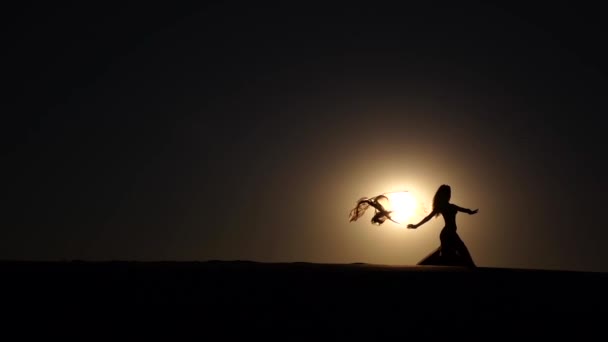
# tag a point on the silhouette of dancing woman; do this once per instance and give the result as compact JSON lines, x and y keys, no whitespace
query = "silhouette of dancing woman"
{"x":452,"y":251}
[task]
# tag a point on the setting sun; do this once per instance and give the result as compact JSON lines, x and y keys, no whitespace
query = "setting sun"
{"x":402,"y":204}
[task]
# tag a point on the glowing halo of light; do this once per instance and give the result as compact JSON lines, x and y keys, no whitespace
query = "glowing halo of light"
{"x":402,"y":204}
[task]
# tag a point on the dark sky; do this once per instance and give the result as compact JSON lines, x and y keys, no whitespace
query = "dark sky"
{"x":158,"y":132}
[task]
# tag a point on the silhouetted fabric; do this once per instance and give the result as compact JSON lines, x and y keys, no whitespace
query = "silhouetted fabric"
{"x":380,"y":215}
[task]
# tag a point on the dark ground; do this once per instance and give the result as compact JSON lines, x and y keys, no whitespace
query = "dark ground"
{"x":301,"y":299}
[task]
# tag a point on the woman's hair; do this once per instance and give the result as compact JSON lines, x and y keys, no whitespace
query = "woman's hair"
{"x":441,"y":199}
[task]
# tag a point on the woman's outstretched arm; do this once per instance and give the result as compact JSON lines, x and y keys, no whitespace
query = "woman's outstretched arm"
{"x":465,"y":210}
{"x":423,"y":221}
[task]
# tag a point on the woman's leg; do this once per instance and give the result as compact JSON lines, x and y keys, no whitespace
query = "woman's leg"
{"x":454,"y":251}
{"x":463,"y":252}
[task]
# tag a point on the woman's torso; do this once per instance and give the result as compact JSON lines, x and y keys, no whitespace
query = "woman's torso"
{"x":449,"y":216}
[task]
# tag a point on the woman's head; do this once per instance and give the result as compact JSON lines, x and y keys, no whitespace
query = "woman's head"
{"x":442,"y":198}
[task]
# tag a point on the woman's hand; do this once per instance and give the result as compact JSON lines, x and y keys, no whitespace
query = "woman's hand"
{"x":474,"y":211}
{"x":412,"y":226}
